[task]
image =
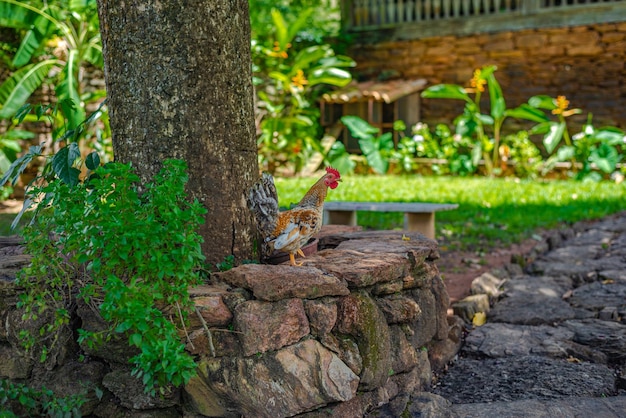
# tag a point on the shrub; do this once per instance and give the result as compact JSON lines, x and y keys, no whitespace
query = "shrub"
{"x":131,"y":254}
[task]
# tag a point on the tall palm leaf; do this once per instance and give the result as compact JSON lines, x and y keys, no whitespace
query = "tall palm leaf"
{"x":75,"y":28}
{"x":15,"y":91}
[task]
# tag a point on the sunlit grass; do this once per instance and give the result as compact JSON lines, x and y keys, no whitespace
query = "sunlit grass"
{"x":491,"y":212}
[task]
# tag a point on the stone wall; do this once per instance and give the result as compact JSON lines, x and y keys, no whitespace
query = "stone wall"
{"x":587,"y":64}
{"x":360,"y":326}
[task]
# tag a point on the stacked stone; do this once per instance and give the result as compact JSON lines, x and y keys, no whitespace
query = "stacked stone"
{"x":356,"y":327}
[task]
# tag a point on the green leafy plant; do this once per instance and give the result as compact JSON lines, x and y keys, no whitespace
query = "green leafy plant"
{"x":226,"y":264}
{"x":473,"y":123}
{"x":340,"y":158}
{"x":323,"y":19}
{"x":377,"y":149}
{"x":590,"y":148}
{"x":451,"y":153}
{"x":597,"y":148}
{"x":288,"y":78}
{"x":17,"y":399}
{"x":129,"y":254}
{"x":10,"y":146}
{"x":553,"y":131}
{"x":523,"y":154}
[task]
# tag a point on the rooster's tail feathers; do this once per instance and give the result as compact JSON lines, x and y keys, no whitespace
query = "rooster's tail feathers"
{"x":263,"y":202}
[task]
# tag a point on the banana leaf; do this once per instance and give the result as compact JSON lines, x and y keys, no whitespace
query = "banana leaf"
{"x":16,"y":90}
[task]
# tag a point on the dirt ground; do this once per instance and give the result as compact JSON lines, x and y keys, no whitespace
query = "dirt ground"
{"x":458,"y":268}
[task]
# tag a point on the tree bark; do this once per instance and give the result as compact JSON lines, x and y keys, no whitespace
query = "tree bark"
{"x":179,"y":85}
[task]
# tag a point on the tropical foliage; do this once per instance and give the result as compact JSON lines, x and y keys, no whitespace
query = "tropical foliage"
{"x":475,"y":142}
{"x":59,"y":40}
{"x":289,"y":75}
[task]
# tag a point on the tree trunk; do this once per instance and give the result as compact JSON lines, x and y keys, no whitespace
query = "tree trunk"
{"x":179,"y":85}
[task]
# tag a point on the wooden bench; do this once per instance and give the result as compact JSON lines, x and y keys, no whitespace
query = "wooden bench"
{"x":418,"y":217}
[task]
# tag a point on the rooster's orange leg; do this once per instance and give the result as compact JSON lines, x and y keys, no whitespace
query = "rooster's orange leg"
{"x":292,"y":260}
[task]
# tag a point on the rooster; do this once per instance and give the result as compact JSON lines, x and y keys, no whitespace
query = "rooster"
{"x":288,"y":231}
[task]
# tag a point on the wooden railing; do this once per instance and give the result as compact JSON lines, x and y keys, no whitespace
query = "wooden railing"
{"x":384,"y":14}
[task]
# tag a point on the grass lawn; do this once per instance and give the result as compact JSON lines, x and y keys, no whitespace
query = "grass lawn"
{"x":491,"y":212}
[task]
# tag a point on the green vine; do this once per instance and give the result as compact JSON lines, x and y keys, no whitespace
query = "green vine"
{"x":130,"y":254}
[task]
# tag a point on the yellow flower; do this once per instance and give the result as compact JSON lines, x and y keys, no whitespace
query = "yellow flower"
{"x":299,"y":80}
{"x":477,"y":81}
{"x":561,"y":105}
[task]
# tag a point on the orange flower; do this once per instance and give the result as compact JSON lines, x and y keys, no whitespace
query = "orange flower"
{"x":561,"y":105}
{"x":299,"y":80}
{"x":277,"y":52}
{"x":477,"y":81}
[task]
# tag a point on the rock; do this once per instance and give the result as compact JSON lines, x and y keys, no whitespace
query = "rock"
{"x":578,"y":272}
{"x":432,"y":324}
{"x":225,"y":342}
{"x":487,"y":284}
{"x":346,"y":349}
{"x":10,"y":265}
{"x":403,"y":354}
{"x":605,"y":407}
{"x":116,"y":349}
{"x":273,"y":283}
{"x":264,"y":326}
{"x":468,"y":307}
{"x":213,"y":310}
{"x":399,"y":309}
{"x":605,"y":336}
{"x":593,"y":238}
{"x":523,"y":377}
{"x":60,"y":344}
{"x":442,"y":352}
{"x":430,"y":405}
{"x":13,"y":364}
{"x":110,"y":407}
{"x":322,"y":316}
{"x":389,"y":288}
{"x":579,"y":254}
{"x":422,"y":275}
{"x":130,"y":391}
{"x":284,"y":383}
{"x":608,"y":313}
{"x":598,"y":295}
{"x":202,"y":399}
{"x":502,"y":340}
{"x":619,"y":275}
{"x":402,"y":241}
{"x":533,"y":301}
{"x":357,"y":269}
{"x":76,"y":378}
{"x":359,"y":316}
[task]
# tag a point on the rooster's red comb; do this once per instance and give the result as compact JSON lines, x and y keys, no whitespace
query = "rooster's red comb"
{"x":333,"y":171}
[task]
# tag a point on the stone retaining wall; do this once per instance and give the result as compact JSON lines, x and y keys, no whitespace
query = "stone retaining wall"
{"x":357,"y":327}
{"x":584,"y":63}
